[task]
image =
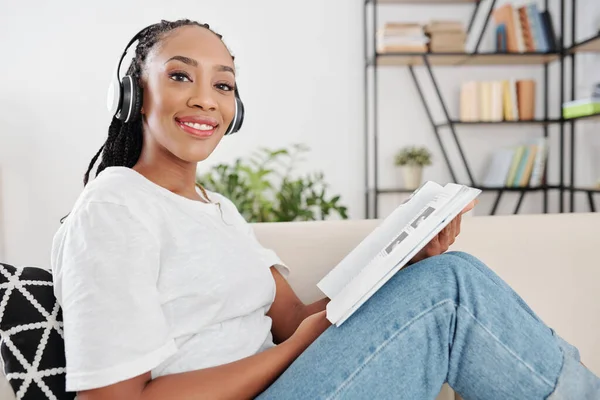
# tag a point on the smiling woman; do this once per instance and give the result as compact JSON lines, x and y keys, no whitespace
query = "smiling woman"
{"x":166,"y":292}
{"x":184,"y":100}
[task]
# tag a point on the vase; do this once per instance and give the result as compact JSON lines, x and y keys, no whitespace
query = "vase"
{"x":412,"y":176}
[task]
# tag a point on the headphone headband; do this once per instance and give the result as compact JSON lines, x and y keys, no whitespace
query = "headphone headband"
{"x":133,"y":39}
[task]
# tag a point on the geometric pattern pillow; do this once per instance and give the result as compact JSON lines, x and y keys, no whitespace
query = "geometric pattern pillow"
{"x":32,"y":347}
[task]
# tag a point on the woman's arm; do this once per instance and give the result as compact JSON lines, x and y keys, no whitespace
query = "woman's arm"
{"x":287,"y":311}
{"x":242,"y":379}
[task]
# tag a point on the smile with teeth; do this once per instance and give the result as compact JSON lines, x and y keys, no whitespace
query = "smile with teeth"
{"x":200,"y":127}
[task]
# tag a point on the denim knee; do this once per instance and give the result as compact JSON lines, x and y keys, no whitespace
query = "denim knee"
{"x":442,"y":277}
{"x":455,"y":262}
{"x":464,"y":255}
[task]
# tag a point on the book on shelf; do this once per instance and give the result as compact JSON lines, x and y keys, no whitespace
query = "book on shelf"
{"x":523,"y":27}
{"x":402,"y":38}
{"x":446,"y":36}
{"x":497,"y":101}
{"x":391,"y":245}
{"x":522,"y":165}
{"x":581,"y":108}
{"x":436,"y":36}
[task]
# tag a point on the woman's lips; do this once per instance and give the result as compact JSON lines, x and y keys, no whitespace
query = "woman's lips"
{"x":197,"y":126}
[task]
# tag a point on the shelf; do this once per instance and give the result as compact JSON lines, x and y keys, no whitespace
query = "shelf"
{"x":525,"y":122}
{"x":584,"y":117}
{"x":424,"y":1}
{"x":464,"y":59}
{"x":511,"y":58}
{"x":520,"y":122}
{"x":483,"y":188}
{"x":517,"y":189}
{"x":474,"y":57}
{"x":588,"y":45}
{"x":417,"y":58}
{"x":587,"y":190}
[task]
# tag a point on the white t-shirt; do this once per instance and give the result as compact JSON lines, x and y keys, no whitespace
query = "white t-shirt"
{"x":149,"y":280}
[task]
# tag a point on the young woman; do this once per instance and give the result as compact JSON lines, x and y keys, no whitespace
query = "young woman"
{"x":167,"y":294}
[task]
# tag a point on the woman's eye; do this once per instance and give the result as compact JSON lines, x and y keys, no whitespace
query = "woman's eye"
{"x":224,"y":86}
{"x":179,"y":77}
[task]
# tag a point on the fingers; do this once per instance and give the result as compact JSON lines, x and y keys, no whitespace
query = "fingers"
{"x":433,"y":248}
{"x":459,"y":221}
{"x":445,"y":236}
{"x":442,"y":241}
{"x":470,"y":206}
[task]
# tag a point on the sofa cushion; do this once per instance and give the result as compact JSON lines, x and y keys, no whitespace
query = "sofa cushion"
{"x":31,"y":334}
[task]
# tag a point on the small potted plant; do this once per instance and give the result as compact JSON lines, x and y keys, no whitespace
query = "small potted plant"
{"x":411,"y":160}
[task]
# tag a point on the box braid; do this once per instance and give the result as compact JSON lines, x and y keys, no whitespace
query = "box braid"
{"x":123,"y":145}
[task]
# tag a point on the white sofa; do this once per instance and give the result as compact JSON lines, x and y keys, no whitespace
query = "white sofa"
{"x":550,"y":260}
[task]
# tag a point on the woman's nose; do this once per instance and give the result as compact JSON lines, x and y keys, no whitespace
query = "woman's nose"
{"x":203,"y":97}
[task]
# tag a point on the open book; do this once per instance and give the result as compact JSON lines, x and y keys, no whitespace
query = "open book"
{"x":391,"y":246}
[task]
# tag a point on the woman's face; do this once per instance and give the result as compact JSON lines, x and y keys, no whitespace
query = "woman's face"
{"x":188,"y":100}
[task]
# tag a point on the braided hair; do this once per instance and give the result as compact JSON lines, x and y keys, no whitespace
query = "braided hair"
{"x":123,"y":145}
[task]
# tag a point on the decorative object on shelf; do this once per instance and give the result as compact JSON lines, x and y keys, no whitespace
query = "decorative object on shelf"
{"x":411,"y":161}
{"x":264,"y":189}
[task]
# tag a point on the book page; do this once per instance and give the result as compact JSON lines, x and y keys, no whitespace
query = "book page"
{"x":371,"y":246}
{"x":422,"y":229}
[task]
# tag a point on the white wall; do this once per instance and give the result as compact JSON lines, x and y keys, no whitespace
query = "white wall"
{"x":300,"y":72}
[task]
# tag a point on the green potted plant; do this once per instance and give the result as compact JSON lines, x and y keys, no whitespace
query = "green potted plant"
{"x":411,"y":160}
{"x":265,"y":188}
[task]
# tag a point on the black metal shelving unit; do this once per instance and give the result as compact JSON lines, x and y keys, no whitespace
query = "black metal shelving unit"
{"x":374,"y":60}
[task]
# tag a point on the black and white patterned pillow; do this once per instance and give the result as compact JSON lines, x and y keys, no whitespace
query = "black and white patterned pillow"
{"x":31,"y":334}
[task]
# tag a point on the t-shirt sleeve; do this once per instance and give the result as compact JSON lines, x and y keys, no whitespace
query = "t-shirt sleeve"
{"x":269,"y":256}
{"x":106,"y":265}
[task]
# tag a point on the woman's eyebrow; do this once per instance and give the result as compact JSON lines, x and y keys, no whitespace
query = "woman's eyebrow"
{"x":225,"y":68}
{"x":194,"y":63}
{"x":184,"y":59}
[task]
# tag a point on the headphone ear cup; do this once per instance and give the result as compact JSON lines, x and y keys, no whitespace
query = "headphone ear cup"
{"x":113,"y":97}
{"x":240,"y":113}
{"x":238,"y":118}
{"x":137,"y":100}
{"x":131,"y":102}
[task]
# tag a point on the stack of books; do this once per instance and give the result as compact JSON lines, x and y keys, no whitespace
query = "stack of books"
{"x":446,"y":36}
{"x":518,"y":166}
{"x":397,"y":37}
{"x":496,"y":101}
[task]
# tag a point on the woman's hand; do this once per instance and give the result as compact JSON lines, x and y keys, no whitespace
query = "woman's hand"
{"x":310,"y":329}
{"x":443,"y":240}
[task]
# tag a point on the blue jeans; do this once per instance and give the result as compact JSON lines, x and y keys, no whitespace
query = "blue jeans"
{"x":445,"y":319}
